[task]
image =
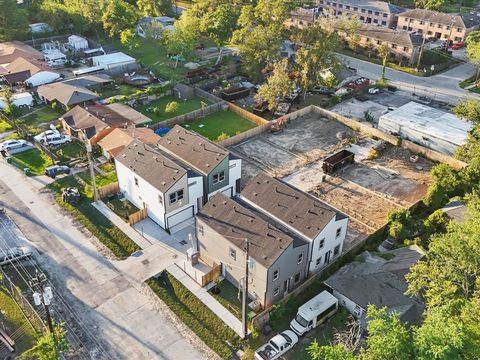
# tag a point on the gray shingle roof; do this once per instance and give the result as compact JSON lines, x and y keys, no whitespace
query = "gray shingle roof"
{"x":236,"y":222}
{"x":398,"y":37}
{"x":459,"y":20}
{"x":66,"y":94}
{"x":380,"y":6}
{"x":193,"y":149}
{"x":151,"y":165}
{"x":291,"y":206}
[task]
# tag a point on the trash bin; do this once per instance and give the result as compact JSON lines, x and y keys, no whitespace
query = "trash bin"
{"x":27,"y":171}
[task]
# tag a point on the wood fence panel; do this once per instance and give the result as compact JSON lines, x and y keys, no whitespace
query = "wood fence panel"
{"x":107,"y":190}
{"x":247,"y":114}
{"x":137,"y":216}
{"x":212,"y":275}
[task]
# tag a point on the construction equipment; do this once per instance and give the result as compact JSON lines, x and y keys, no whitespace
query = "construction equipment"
{"x":278,"y":125}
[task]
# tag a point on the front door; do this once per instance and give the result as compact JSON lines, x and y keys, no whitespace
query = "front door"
{"x":327,"y":257}
{"x":285,"y":287}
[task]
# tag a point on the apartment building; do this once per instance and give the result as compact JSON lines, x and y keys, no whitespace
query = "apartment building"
{"x":453,"y":27}
{"x":367,"y":11}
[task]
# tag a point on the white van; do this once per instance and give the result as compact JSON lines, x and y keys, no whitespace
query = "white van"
{"x":314,"y":312}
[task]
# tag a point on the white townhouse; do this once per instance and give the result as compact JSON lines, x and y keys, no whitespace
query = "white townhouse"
{"x":319,"y":224}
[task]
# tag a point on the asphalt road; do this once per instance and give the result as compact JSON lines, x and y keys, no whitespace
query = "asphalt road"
{"x":442,"y":87}
{"x":119,"y":316}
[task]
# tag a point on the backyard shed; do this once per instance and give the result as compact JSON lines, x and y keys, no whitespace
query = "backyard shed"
{"x":337,"y":161}
{"x":77,"y":42}
{"x":426,"y":126}
{"x":116,"y":62}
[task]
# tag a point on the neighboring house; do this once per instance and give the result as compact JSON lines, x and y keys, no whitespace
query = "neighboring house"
{"x":31,"y":73}
{"x":301,"y":18}
{"x":118,"y":139}
{"x":221,"y":171}
{"x":150,"y":179}
{"x":93,"y":81}
{"x":455,"y":210}
{"x":154,"y":26}
{"x":11,"y":50}
{"x":115,"y":63}
{"x":277,"y":260}
{"x":66,"y":95}
{"x":453,"y":27}
{"x":367,"y":11}
{"x":92,"y":123}
{"x":378,"y":282}
{"x":77,"y":42}
{"x":426,"y":126}
{"x":319,"y":224}
{"x":403,"y":47}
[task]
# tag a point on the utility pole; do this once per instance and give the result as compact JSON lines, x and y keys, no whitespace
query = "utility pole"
{"x":245,"y":292}
{"x":43,"y":296}
{"x":424,"y":33}
{"x":92,"y":171}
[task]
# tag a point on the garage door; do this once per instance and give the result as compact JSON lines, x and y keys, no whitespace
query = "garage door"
{"x":177,"y":218}
{"x":227,"y":192}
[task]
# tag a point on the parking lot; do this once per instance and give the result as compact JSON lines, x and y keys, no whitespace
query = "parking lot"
{"x":367,"y":190}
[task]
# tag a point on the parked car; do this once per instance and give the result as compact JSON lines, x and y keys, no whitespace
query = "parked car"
{"x":373,"y":90}
{"x":323,"y":90}
{"x":314,"y":312}
{"x":15,"y":254}
{"x":388,"y":109}
{"x":277,"y":346}
{"x":387,"y":245}
{"x":13,"y":144}
{"x":43,"y":137}
{"x":457,"y":45}
{"x":52,"y":137}
{"x":54,"y":170}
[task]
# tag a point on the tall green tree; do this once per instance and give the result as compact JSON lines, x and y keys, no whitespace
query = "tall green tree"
{"x":13,"y":20}
{"x":468,"y":109}
{"x":48,"y":347}
{"x":118,"y":16}
{"x":182,"y":41}
{"x":430,"y":4}
{"x":383,"y":55}
{"x":155,"y":7}
{"x":278,"y":85}
{"x":473,"y":49}
{"x":332,"y":352}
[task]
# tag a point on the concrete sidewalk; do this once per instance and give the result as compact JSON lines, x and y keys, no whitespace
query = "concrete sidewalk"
{"x":202,"y":294}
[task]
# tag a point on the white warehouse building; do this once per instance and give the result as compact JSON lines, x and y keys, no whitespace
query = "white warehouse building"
{"x":426,"y":126}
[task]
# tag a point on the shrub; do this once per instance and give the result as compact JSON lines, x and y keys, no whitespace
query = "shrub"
{"x":248,"y":354}
{"x":223,"y":136}
{"x":172,"y":107}
{"x":54,"y":105}
{"x":372,"y":154}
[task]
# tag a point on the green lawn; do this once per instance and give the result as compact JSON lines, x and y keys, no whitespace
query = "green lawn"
{"x":40,"y":115}
{"x":33,"y":159}
{"x":184,"y":107}
{"x":228,"y":297}
{"x":73,"y":150}
{"x":121,"y":208}
{"x":100,"y":180}
{"x":220,"y":122}
{"x":468,"y":82}
{"x":11,"y":316}
{"x":200,"y":319}
{"x":102,"y":228}
{"x":117,"y":90}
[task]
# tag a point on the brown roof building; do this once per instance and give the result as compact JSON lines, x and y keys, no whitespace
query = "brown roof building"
{"x":65,"y":94}
{"x":119,"y":138}
{"x":11,"y":50}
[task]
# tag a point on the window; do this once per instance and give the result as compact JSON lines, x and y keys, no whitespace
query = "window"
{"x":339,"y":232}
{"x":340,"y":6}
{"x":355,"y":9}
{"x":319,"y":260}
{"x":348,"y":7}
{"x":176,"y":196}
{"x":439,"y":26}
{"x":232,"y":166}
{"x":334,"y":4}
{"x":321,"y":244}
{"x":218,"y":178}
{"x":192,"y":184}
{"x":421,"y":22}
{"x":385,"y":15}
{"x":375,"y":21}
{"x":448,"y":27}
{"x":136,"y":181}
{"x":358,"y":311}
{"x":362,"y":18}
{"x":404,"y":27}
{"x":275,"y":274}
{"x":363,"y":10}
{"x":300,"y":258}
{"x":200,"y":230}
{"x":394,"y":46}
{"x":384,"y":23}
{"x":379,"y":42}
{"x":297,"y":278}
{"x":405,"y":49}
{"x":276,"y":291}
{"x":429,"y":33}
{"x":233,"y":254}
{"x":459,"y":30}
{"x":336,"y":251}
{"x":377,"y":13}
{"x":370,"y":11}
{"x":160,"y":199}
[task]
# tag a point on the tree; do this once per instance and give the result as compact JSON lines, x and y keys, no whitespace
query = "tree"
{"x":436,"y":223}
{"x":473,"y":49}
{"x":278,"y":85}
{"x":430,"y":4}
{"x":47,"y":348}
{"x":182,"y":41}
{"x":330,"y":352}
{"x":383,"y":55}
{"x":468,"y":109}
{"x":13,"y":20}
{"x":129,"y":38}
{"x":155,"y":7}
{"x":118,"y":16}
{"x":172,"y":107}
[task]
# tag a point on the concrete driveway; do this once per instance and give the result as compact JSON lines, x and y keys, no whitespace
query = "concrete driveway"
{"x":115,"y":314}
{"x":442,"y":87}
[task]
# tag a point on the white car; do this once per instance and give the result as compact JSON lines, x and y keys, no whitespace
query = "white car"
{"x":277,"y":346}
{"x":15,"y":254}
{"x":13,"y":144}
{"x":373,"y":90}
{"x":52,"y":137}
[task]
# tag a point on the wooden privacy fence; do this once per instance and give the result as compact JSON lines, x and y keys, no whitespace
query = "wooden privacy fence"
{"x":247,"y":114}
{"x":212,"y":275}
{"x":137,"y":216}
{"x":107,"y":190}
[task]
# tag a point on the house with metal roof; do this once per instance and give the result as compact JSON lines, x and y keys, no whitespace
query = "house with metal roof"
{"x":31,"y":73}
{"x":221,"y":170}
{"x":152,"y":180}
{"x":277,"y":258}
{"x":379,"y":282}
{"x":323,"y":227}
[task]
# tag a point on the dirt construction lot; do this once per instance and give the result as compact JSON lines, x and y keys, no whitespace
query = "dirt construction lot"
{"x":366,"y":190}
